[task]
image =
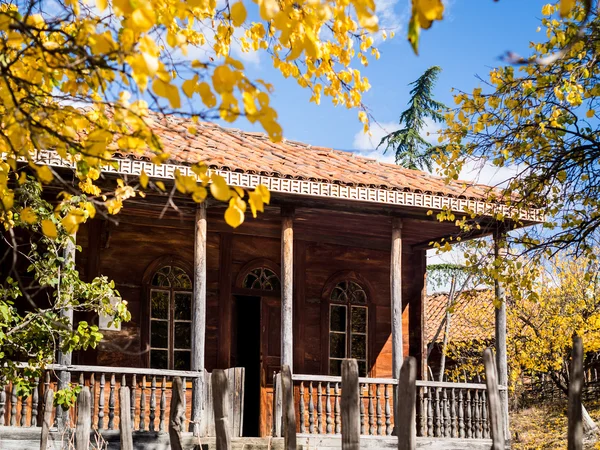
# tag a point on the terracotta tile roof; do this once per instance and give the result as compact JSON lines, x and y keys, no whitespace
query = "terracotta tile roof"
{"x":472,"y":316}
{"x":250,"y":152}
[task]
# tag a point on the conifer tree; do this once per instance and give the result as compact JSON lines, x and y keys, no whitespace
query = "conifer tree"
{"x":412,"y":149}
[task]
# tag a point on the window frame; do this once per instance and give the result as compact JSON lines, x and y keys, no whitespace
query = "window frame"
{"x":148,"y":288}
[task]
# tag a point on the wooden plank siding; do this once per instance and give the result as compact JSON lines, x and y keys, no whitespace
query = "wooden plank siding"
{"x":325,"y":243}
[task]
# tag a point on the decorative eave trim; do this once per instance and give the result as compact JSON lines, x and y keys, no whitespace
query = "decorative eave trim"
{"x":310,"y":188}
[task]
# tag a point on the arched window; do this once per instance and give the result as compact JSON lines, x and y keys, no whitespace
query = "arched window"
{"x":348,"y":326}
{"x":170,"y":318}
{"x":262,"y":278}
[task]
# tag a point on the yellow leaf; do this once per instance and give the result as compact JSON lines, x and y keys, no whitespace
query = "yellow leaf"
{"x":548,"y":9}
{"x":566,"y":6}
{"x":168,"y":91}
{"x":49,"y":229}
{"x":44,"y":174}
{"x":143,"y":179}
{"x":101,"y":4}
{"x":256,"y":203}
{"x":189,"y":87}
{"x":160,"y":185}
{"x":238,"y":14}
{"x":28,"y":215}
{"x":219,"y":188}
{"x":234,"y":216}
{"x":590,"y":113}
{"x":264,"y":193}
{"x":208,"y":98}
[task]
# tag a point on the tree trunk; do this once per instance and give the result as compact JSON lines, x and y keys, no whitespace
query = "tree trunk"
{"x":447,"y":330}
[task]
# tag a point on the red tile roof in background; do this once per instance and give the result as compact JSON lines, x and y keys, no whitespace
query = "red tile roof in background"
{"x":472,"y":318}
{"x":250,"y":152}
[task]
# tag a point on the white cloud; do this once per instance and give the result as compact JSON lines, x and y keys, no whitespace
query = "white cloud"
{"x":481,"y":171}
{"x":389,"y":18}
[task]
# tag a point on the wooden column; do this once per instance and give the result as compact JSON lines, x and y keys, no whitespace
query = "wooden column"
{"x":500,"y":332}
{"x":416,"y":312}
{"x":199,"y":316}
{"x":287,"y":288}
{"x":396,"y":294}
{"x":65,"y":358}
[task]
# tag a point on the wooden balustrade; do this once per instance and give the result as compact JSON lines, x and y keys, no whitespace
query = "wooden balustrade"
{"x":445,"y":410}
{"x":150,"y":396}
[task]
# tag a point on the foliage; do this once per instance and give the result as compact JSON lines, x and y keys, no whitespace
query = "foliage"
{"x":542,"y":120}
{"x":412,"y":150}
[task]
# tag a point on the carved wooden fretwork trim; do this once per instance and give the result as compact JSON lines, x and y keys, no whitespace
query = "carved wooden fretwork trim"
{"x":312,"y":188}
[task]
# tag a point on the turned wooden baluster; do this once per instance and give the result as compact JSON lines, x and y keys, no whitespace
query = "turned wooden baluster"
{"x":2,"y":404}
{"x":388,"y":415}
{"x":362,"y":410}
{"x":320,"y":409}
{"x":477,"y":408}
{"x":151,"y":426}
{"x":461,"y":415}
{"x":92,"y":399}
{"x":35,"y":400}
{"x":378,"y":409}
{"x":101,"y":402}
{"x":484,"y":416}
{"x":302,"y":409}
{"x":453,"y":418}
{"x":446,"y":413}
{"x":132,"y":394}
{"x":437,"y":413}
{"x":328,"y":419}
{"x":13,"y":405}
{"x":163,"y":403}
{"x":429,"y":412}
{"x":143,"y":404}
{"x":372,"y":429}
{"x":311,"y":409}
{"x":468,"y":416}
{"x":111,"y":403}
{"x":24,"y":400}
{"x":337,"y":409}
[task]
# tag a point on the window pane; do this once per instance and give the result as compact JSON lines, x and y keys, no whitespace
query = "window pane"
{"x":182,"y":361}
{"x":180,"y":279}
{"x":183,"y":332}
{"x":159,"y":304}
{"x":337,"y":318}
{"x":359,"y":319}
{"x":362,"y":368}
{"x":161,"y":278}
{"x":335,"y":367}
{"x":359,"y":346}
{"x":337,"y":345}
{"x":159,"y":359}
{"x":183,"y":302}
{"x":159,"y":334}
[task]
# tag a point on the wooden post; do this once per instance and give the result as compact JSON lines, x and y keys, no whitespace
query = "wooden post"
{"x":396,"y":302}
{"x":287,"y":289}
{"x":501,"y":358}
{"x":289,"y":413}
{"x":350,"y":405}
{"x":198,"y":316}
{"x":125,"y":422}
{"x":46,"y":418}
{"x":65,"y":358}
{"x":220,"y":389}
{"x":277,"y":406}
{"x":494,"y":402}
{"x":575,"y":411}
{"x":177,"y":415}
{"x":84,"y":420}
{"x":406,"y":417}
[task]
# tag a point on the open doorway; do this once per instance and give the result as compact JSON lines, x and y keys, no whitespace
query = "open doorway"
{"x":247,"y":355}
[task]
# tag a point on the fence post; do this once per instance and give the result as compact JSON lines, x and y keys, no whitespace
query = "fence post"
{"x":177,"y":415}
{"x":350,"y":405}
{"x":277,"y":405}
{"x":496,"y":420}
{"x":575,"y":430}
{"x":220,"y":389}
{"x":46,"y":418}
{"x":405,"y":420}
{"x":125,"y":425}
{"x":289,"y":413}
{"x":84,"y":420}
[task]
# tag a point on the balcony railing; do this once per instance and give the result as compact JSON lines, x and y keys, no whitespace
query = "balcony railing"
{"x":150,"y":391}
{"x":444,"y":410}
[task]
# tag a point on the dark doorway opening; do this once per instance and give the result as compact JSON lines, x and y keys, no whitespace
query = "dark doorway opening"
{"x":247,"y":355}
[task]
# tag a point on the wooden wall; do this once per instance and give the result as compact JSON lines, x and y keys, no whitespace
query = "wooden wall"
{"x":325,"y":243}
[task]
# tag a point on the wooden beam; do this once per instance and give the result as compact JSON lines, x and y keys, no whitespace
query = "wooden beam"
{"x":500,"y":331}
{"x":396,"y":294}
{"x":65,"y":358}
{"x":198,"y":316}
{"x":225,"y":301}
{"x":287,"y":288}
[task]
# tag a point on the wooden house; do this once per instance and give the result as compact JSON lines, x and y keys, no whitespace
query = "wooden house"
{"x":333,"y":268}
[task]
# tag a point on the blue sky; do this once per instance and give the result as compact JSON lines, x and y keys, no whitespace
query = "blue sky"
{"x":468,"y":42}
